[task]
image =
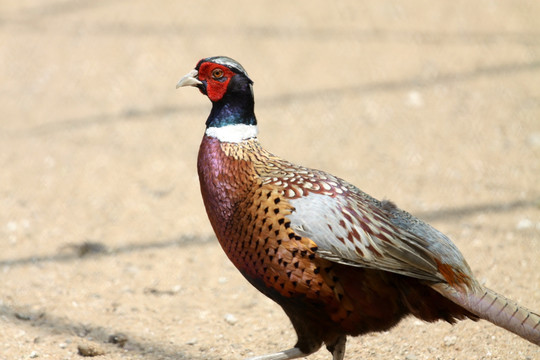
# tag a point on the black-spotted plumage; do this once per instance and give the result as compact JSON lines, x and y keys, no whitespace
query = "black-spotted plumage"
{"x":338,"y":261}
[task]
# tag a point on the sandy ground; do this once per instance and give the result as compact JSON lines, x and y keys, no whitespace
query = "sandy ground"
{"x":104,"y":243}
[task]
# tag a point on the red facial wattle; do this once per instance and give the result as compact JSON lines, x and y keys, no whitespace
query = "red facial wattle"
{"x":216,"y":87}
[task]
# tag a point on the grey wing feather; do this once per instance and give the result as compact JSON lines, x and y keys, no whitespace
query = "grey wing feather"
{"x":438,"y":242}
{"x":358,"y":230}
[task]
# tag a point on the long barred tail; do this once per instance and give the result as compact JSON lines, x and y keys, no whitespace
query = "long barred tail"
{"x":493,"y":307}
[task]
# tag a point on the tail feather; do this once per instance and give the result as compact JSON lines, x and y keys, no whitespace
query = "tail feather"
{"x":493,"y":307}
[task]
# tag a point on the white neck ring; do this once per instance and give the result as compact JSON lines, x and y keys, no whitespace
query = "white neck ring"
{"x":233,"y":133}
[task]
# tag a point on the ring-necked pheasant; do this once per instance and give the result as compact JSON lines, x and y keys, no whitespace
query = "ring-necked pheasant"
{"x":338,"y":261}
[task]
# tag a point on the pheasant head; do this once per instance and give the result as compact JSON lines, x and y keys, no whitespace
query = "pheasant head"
{"x":230,"y":90}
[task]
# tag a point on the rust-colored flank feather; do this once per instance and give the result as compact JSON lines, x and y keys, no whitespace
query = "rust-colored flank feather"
{"x":338,"y":261}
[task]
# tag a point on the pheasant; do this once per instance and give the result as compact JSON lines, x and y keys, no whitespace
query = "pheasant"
{"x":338,"y":261}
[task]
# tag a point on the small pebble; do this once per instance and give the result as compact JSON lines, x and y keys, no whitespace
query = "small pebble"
{"x":191,"y":342}
{"x":22,"y":316}
{"x":33,"y":355}
{"x":450,"y":340}
{"x":524,"y":224}
{"x":231,"y":319}
{"x":119,"y":339}
{"x":534,"y":140}
{"x":88,"y":349}
{"x":415,"y":99}
{"x":11,"y":226}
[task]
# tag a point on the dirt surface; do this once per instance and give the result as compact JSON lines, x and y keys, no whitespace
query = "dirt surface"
{"x":105,"y":249}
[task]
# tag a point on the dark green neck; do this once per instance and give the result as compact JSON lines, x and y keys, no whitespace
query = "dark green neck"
{"x":227,"y":112}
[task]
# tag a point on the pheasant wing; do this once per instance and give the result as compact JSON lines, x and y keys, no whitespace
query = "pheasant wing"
{"x":350,"y":227}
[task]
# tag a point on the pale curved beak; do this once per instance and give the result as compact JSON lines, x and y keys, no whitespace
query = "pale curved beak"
{"x":189,"y":80}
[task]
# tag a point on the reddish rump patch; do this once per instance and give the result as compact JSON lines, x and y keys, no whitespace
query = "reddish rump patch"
{"x":453,"y":276}
{"x":215,"y":88}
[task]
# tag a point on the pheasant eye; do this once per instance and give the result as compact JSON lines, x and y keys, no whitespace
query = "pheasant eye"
{"x":217,"y":73}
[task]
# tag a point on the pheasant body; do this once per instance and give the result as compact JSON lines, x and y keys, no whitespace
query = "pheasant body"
{"x":248,"y":194}
{"x":338,"y":261}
